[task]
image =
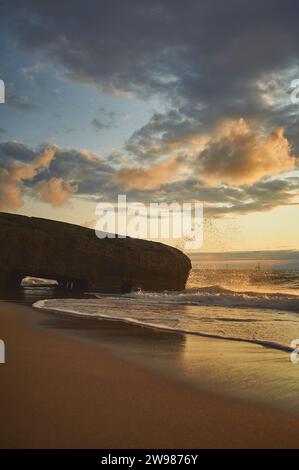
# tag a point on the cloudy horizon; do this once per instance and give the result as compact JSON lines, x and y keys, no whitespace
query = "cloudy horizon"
{"x":158,"y":101}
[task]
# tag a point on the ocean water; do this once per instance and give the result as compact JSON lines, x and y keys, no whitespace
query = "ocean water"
{"x":259,"y":306}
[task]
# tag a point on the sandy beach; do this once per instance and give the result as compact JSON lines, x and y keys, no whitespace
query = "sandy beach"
{"x":58,"y":392}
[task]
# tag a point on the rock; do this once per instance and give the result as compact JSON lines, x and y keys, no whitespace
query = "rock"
{"x":77,"y":259}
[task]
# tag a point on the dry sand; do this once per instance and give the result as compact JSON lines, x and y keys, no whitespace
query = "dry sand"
{"x":58,"y":392}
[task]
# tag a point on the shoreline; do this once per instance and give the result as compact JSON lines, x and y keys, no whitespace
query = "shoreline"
{"x":70,"y":313}
{"x":58,"y":392}
{"x":242,"y":370}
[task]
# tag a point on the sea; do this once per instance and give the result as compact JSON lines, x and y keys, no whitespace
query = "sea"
{"x":255,"y":301}
{"x":233,"y":331}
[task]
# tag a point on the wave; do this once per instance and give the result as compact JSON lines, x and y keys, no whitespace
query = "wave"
{"x":217,"y":296}
{"x":268,"y":328}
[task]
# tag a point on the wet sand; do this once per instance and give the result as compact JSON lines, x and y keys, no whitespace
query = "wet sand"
{"x":60,"y":392}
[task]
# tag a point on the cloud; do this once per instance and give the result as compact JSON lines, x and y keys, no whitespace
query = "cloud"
{"x":226,"y":200}
{"x":210,"y":65}
{"x":153,"y":177}
{"x":240,"y":156}
{"x":193,"y":56}
{"x":13,"y":177}
{"x":165,"y":133}
{"x":49,"y":172}
{"x":55,"y":174}
{"x":26,"y":171}
{"x":88,"y":170}
{"x":10,"y":192}
{"x":55,"y":191}
{"x":233,"y":153}
{"x":14,"y":150}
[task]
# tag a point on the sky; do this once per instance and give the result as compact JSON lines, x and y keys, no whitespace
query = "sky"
{"x":160,"y":100}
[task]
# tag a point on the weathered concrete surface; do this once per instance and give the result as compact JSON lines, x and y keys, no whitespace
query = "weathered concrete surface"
{"x":75,"y":257}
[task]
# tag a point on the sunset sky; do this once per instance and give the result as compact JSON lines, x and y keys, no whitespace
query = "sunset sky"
{"x":161,"y":100}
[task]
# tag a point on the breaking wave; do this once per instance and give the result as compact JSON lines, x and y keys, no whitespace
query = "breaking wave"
{"x":266,"y":319}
